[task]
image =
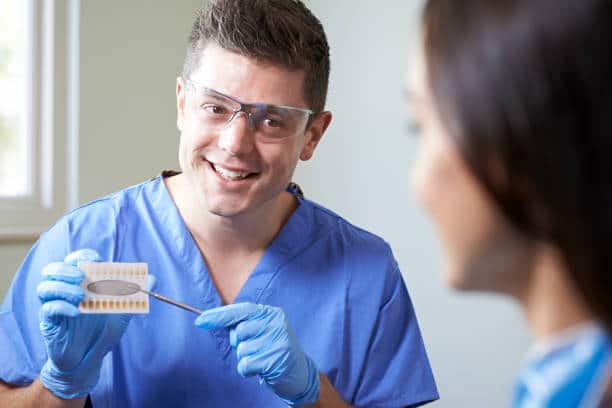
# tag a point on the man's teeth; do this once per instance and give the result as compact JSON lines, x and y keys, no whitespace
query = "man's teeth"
{"x":229,"y":174}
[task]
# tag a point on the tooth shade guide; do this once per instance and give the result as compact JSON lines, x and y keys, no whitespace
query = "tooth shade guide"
{"x":133,"y":273}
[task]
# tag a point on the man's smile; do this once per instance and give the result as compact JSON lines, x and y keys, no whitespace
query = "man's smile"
{"x":232,"y":173}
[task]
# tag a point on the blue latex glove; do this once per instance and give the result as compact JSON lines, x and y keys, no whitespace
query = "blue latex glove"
{"x":266,"y":346}
{"x":76,"y":343}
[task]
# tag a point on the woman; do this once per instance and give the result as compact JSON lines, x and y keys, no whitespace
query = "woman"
{"x":513,"y":99}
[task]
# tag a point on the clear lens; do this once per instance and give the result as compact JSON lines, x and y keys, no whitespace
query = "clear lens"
{"x":274,"y":119}
{"x":217,"y":111}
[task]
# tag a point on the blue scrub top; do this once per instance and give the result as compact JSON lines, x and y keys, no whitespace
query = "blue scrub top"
{"x":339,"y":286}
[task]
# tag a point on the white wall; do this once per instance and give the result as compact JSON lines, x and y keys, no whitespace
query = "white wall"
{"x":11,"y":255}
{"x":131,"y":52}
{"x":361,"y":170}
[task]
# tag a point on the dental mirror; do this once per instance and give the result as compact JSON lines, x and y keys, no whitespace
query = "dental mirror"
{"x":116,"y":287}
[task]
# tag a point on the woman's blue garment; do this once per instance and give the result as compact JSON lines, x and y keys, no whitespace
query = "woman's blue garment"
{"x":571,"y":370}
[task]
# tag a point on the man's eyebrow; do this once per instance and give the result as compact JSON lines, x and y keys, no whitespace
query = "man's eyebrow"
{"x":213,"y":94}
{"x":275,"y":109}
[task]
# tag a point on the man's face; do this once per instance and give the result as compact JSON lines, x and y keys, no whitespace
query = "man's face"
{"x":235,"y":170}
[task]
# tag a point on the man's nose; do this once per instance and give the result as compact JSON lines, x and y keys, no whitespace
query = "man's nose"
{"x":237,"y":137}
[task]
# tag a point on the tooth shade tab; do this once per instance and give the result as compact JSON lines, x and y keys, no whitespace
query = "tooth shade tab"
{"x":133,"y":273}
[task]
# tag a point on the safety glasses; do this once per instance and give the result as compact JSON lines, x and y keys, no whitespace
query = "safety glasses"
{"x":216,"y":111}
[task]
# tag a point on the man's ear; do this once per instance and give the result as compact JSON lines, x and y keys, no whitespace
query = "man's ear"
{"x":180,"y":103}
{"x":314,"y":134}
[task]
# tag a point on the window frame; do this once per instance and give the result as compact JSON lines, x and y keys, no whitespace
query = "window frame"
{"x":51,"y":120}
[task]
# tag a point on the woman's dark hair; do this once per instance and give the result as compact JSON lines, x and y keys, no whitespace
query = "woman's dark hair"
{"x":525,"y":89}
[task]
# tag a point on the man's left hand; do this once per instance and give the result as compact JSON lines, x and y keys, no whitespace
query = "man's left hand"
{"x":266,"y":346}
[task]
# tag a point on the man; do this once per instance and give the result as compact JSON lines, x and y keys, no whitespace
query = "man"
{"x":316,"y":311}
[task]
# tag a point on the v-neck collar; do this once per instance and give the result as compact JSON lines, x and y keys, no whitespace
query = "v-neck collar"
{"x":291,"y":238}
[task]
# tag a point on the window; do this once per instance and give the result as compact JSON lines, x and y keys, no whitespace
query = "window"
{"x":14,"y":139}
{"x":38,"y":88}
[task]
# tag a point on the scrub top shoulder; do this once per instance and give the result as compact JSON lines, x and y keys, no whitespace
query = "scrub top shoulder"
{"x":339,"y":286}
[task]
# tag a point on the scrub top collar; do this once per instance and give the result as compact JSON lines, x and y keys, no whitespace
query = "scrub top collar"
{"x":292,"y":237}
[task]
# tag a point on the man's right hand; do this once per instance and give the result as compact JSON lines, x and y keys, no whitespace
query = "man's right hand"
{"x":76,"y":343}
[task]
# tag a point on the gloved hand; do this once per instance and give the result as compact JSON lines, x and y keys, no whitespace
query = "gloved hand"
{"x":76,"y":343}
{"x":266,"y":345}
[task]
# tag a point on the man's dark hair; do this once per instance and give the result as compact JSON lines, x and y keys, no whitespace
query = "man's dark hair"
{"x":525,"y":87}
{"x":282,"y":32}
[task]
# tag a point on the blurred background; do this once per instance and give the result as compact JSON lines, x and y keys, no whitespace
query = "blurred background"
{"x":110,"y":104}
